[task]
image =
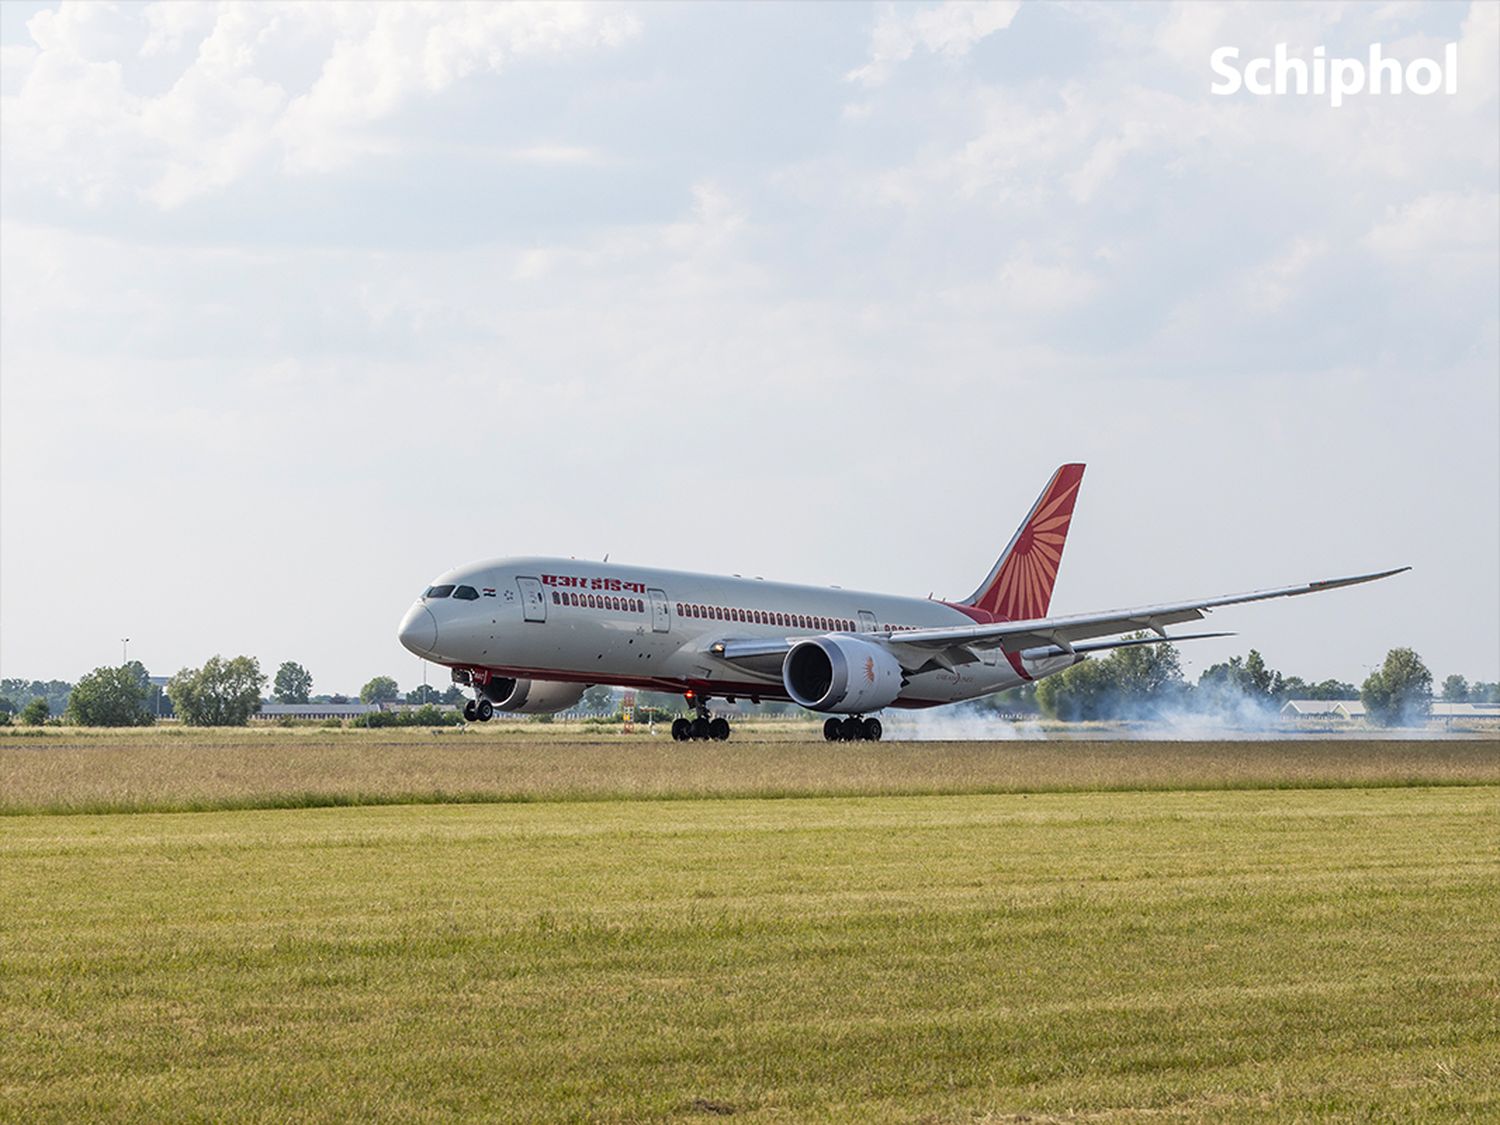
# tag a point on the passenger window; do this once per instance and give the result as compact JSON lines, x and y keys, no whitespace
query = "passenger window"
{"x":555,"y":598}
{"x":467,"y":593}
{"x":438,"y":591}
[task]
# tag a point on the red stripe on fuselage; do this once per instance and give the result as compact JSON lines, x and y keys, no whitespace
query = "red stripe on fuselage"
{"x":720,"y":688}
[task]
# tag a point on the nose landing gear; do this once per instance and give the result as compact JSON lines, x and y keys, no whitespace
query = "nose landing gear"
{"x":702,"y":727}
{"x":853,"y":729}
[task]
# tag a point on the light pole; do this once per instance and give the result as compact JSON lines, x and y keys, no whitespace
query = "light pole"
{"x":124,"y":651}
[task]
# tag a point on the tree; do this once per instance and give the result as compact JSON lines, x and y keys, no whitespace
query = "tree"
{"x":112,"y":697}
{"x":35,"y":713}
{"x":1245,"y":680}
{"x":293,"y":683}
{"x":382,"y":689}
{"x":1131,"y":683}
{"x":1399,"y":692}
{"x":600,"y":698}
{"x":424,"y":694}
{"x":1080,"y":693}
{"x":21,"y":692}
{"x":1147,"y":677}
{"x":223,"y":693}
{"x":1455,"y":689}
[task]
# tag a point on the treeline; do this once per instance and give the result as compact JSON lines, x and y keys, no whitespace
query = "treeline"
{"x":223,"y":692}
{"x":220,"y":693}
{"x":1146,"y":682}
{"x":1139,"y":682}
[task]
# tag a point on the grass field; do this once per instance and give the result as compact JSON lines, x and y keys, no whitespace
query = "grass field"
{"x":1232,"y":952}
{"x":176,"y":769}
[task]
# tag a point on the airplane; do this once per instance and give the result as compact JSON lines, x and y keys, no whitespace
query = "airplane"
{"x":529,"y":635}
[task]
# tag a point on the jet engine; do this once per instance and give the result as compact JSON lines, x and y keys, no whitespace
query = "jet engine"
{"x":842,"y":674}
{"x":532,"y":697}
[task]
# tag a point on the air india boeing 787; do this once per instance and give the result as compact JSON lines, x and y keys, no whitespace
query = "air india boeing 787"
{"x":530,"y":634}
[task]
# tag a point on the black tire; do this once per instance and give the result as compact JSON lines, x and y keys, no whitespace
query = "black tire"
{"x":718,"y":730}
{"x":470,"y":711}
{"x":833,"y":730}
{"x":700,"y":729}
{"x":485,"y":710}
{"x":852,"y":729}
{"x":872,"y":731}
{"x":682,"y":730}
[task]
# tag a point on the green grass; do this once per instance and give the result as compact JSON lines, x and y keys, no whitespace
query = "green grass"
{"x":1272,"y":954}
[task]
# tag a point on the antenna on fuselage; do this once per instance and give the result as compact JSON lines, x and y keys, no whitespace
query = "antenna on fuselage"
{"x":606,"y":556}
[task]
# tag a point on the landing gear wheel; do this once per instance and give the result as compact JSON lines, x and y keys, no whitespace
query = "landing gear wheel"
{"x":485,"y":710}
{"x":833,"y":730}
{"x":700,"y":728}
{"x":718,"y":729}
{"x":852,"y":729}
{"x":682,"y":730}
{"x":872,"y":730}
{"x":471,"y":711}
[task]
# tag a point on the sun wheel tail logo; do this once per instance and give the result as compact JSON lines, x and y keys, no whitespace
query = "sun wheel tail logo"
{"x":870,"y":668}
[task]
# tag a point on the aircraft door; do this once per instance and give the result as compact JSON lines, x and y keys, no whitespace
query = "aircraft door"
{"x":533,"y":599}
{"x":866,"y":621}
{"x":660,"y":620}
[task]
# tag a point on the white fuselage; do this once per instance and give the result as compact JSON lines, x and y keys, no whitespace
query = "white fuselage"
{"x":601,"y":623}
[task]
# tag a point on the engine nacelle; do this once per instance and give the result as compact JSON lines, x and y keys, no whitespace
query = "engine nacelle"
{"x":532,"y":697}
{"x":842,"y":674}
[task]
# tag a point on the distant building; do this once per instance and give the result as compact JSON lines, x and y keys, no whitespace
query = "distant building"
{"x":1466,"y":710}
{"x":1349,"y":709}
{"x":272,"y":711}
{"x":1313,"y":709}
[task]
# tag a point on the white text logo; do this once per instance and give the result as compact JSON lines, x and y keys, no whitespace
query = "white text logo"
{"x":1337,"y":78}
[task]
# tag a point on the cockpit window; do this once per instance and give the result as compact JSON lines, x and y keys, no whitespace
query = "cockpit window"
{"x":438,"y":591}
{"x":467,"y":593}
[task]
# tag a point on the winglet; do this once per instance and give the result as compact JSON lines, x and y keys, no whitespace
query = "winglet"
{"x":1019,"y":587}
{"x":1335,"y":583}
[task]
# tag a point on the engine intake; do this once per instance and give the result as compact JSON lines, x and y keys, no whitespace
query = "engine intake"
{"x":532,"y":697}
{"x":841,"y":674}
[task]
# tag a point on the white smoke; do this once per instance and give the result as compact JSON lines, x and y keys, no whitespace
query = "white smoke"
{"x":960,"y":724}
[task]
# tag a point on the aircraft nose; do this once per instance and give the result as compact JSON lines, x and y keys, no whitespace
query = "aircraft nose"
{"x":418,"y":630}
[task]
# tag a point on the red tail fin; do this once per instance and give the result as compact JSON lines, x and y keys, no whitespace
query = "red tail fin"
{"x":1019,"y":588}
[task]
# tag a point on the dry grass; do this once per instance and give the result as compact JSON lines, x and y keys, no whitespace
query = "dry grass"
{"x":167,"y":769}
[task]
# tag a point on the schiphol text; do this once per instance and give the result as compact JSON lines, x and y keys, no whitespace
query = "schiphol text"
{"x":1335,"y":78}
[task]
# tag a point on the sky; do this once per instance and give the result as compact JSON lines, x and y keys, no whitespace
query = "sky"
{"x":302,"y":304}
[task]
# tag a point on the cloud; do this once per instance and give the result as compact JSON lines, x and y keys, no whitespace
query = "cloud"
{"x":175,"y":101}
{"x":951,"y":28}
{"x":1442,"y":229}
{"x":326,"y":257}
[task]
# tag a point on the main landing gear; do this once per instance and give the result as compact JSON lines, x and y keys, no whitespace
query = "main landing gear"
{"x":480,"y":710}
{"x":853,"y":729}
{"x":702,"y":727}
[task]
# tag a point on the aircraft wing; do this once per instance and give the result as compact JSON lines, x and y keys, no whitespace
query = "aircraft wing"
{"x":1017,"y":636}
{"x":1052,"y":635}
